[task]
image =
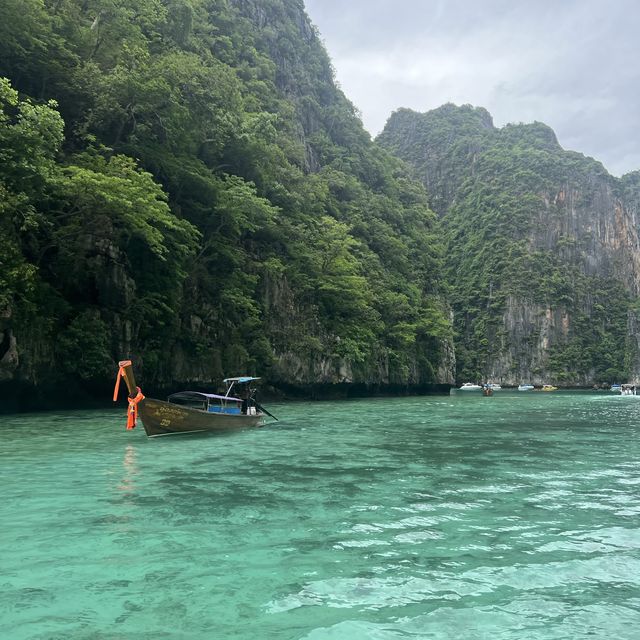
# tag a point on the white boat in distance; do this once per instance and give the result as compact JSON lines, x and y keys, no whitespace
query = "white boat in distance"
{"x":494,"y":387}
{"x":525,"y":387}
{"x":469,"y":386}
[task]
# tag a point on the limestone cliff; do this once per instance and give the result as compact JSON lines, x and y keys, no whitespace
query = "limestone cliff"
{"x":187,"y":186}
{"x":543,"y":258}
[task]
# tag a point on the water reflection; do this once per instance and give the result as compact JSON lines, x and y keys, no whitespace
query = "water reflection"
{"x":130,"y":466}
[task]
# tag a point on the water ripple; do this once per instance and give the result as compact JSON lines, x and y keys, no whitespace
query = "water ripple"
{"x":506,"y":518}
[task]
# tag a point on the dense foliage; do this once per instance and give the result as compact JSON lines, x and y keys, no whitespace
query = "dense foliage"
{"x":522,"y":218}
{"x":182,"y":181}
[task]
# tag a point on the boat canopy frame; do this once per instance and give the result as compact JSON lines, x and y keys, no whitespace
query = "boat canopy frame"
{"x":230,"y":382}
{"x":207,"y":399}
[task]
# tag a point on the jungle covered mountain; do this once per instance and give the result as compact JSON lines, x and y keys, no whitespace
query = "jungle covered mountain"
{"x":542,"y":248}
{"x":182,"y":182}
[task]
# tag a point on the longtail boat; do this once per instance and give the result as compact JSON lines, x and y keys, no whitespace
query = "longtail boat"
{"x":191,"y":411}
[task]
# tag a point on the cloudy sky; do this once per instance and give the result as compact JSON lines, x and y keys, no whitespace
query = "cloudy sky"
{"x":572,"y":64}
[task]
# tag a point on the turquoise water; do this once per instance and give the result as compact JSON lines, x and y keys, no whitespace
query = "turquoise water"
{"x":511,"y":517}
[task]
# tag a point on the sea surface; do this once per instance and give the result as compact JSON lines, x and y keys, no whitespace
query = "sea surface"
{"x":510,"y":517}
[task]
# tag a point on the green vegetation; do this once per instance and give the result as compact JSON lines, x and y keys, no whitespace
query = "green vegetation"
{"x":182,"y":181}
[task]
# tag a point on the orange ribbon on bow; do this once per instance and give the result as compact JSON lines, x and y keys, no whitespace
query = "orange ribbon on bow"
{"x":132,"y":411}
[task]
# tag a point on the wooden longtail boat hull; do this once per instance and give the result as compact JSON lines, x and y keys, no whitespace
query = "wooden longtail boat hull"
{"x":161,"y":418}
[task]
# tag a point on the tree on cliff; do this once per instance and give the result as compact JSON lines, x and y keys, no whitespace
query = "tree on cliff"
{"x":314,"y":253}
{"x":58,"y":220}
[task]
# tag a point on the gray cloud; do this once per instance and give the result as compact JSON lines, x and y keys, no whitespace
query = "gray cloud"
{"x":572,"y":64}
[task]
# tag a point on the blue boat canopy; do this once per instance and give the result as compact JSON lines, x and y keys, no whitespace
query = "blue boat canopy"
{"x":240,"y":379}
{"x":196,"y":395}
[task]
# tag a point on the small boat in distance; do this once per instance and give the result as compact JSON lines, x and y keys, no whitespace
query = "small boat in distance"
{"x":192,"y":411}
{"x":494,"y":387}
{"x":549,"y":387}
{"x":469,"y":386}
{"x":525,"y":387}
{"x":615,"y":388}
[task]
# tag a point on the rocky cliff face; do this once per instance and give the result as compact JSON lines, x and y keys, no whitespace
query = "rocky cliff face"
{"x":592,"y":233}
{"x":208,"y":207}
{"x":544,"y":252}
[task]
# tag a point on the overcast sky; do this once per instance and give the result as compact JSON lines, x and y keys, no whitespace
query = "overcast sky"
{"x":572,"y":64}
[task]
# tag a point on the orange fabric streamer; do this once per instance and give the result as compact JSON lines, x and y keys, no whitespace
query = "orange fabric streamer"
{"x":119,"y":375}
{"x":132,"y":413}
